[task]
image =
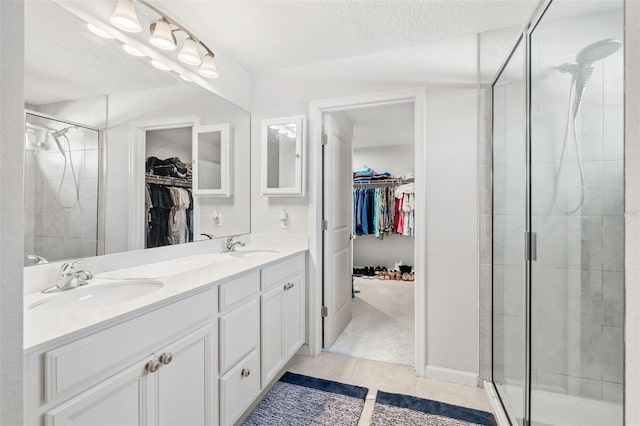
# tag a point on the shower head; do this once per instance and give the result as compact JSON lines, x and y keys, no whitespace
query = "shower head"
{"x":56,"y":134}
{"x":597,"y":51}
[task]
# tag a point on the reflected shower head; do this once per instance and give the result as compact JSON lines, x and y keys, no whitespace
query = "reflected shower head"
{"x":597,"y":51}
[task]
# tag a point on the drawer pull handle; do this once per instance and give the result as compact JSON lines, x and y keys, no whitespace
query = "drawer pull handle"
{"x":152,"y":366}
{"x":166,"y":358}
{"x":245,"y":372}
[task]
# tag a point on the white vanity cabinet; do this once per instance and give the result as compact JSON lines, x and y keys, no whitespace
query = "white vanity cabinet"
{"x":283,"y":320}
{"x":200,"y":360}
{"x":156,"y":369}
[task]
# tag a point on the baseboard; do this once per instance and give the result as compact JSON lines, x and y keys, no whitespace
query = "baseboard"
{"x":449,"y":375}
{"x":496,"y":406}
{"x":304,"y":350}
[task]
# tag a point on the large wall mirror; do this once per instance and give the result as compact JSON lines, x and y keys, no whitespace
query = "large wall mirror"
{"x":120,"y":155}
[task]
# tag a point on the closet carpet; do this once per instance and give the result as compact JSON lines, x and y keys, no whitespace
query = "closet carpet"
{"x":382,"y":328}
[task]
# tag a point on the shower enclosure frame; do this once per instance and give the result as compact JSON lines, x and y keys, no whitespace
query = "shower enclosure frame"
{"x":524,"y":39}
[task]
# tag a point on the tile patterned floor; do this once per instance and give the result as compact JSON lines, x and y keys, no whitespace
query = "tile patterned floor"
{"x":388,"y":377}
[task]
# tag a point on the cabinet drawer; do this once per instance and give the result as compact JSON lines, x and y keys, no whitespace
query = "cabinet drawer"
{"x":239,"y":333}
{"x":275,"y":274}
{"x":238,"y":390}
{"x":77,"y":366}
{"x":239,"y":289}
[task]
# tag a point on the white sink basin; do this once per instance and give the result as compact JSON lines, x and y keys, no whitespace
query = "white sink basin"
{"x":248,"y":253}
{"x":92,"y":295}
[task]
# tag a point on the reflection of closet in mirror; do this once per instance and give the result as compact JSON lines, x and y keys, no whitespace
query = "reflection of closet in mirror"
{"x":168,"y":176}
{"x":282,"y":160}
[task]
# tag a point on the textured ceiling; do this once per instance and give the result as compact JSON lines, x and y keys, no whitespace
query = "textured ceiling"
{"x":263,"y":35}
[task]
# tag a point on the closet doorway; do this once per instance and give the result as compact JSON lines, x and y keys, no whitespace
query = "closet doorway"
{"x":369,"y":245}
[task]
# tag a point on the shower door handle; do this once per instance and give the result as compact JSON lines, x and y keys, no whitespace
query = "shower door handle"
{"x":531,"y":246}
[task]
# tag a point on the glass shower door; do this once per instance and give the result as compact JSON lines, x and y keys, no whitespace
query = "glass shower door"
{"x":577,"y":209}
{"x":509,"y":226}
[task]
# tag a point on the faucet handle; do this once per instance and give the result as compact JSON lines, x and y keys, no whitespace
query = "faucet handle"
{"x":70,"y":266}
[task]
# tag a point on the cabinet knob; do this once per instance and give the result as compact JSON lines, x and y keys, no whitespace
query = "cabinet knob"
{"x":291,"y":286}
{"x":152,"y":366}
{"x":245,"y":372}
{"x":286,"y":286}
{"x":166,"y":358}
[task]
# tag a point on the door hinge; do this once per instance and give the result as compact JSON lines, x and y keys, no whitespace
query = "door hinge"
{"x":324,"y":311}
{"x":324,"y":225}
{"x":530,"y":246}
{"x":325,"y":139}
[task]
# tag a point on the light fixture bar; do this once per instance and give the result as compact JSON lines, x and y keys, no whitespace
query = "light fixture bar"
{"x":177,"y":24}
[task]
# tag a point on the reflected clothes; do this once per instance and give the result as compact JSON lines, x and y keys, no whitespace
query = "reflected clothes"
{"x":170,"y":215}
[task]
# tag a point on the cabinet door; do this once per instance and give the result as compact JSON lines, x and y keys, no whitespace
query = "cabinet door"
{"x":122,"y":400}
{"x":272,"y":341}
{"x":186,"y":386}
{"x":239,"y":333}
{"x":212,"y":160}
{"x":294,"y":320}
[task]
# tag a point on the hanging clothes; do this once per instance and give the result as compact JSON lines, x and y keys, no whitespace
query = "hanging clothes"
{"x":170,"y":215}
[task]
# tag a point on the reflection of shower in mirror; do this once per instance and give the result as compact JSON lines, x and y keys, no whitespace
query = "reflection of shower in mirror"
{"x":32,"y":142}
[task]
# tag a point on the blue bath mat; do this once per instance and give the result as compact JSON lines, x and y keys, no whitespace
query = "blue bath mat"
{"x":393,"y":409}
{"x":297,"y":400}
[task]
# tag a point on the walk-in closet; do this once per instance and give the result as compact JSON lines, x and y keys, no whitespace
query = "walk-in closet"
{"x":382,"y":211}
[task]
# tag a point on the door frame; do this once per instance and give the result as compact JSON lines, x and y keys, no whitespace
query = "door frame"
{"x":416,"y":96}
{"x":137,"y":157}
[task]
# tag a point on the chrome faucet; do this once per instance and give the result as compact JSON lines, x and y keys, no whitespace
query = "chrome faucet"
{"x":231,"y":245}
{"x":69,"y":277}
{"x":37,"y":260}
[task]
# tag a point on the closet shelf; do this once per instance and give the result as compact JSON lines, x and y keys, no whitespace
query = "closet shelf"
{"x":169,"y":181}
{"x":379,"y":182}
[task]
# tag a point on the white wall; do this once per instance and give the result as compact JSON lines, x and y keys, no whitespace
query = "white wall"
{"x":452,"y":225}
{"x":11,"y":209}
{"x":397,"y":160}
{"x":167,"y":143}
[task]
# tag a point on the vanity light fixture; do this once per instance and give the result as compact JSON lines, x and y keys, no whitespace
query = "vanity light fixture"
{"x":185,"y":78}
{"x":132,"y":50}
{"x":159,"y":65}
{"x":189,"y":53}
{"x":125,"y":17}
{"x":208,"y":68}
{"x":97,"y":31}
{"x":282,"y":130}
{"x":162,"y":35}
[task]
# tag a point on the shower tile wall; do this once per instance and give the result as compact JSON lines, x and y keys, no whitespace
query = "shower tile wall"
{"x":51,"y":230}
{"x":577,"y":281}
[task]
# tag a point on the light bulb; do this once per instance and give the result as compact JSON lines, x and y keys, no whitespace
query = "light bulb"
{"x":208,"y":68}
{"x":97,"y":31}
{"x":189,"y":53}
{"x":185,"y":78}
{"x":125,"y":17}
{"x":162,"y":36}
{"x":132,"y":50}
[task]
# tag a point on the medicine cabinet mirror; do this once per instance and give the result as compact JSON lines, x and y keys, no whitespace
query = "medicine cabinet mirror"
{"x":212,"y":154}
{"x":282,"y":156}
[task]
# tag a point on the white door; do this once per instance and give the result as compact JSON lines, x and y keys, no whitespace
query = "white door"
{"x":338,"y":183}
{"x":122,"y":400}
{"x":187,"y":382}
{"x":294,"y":318}
{"x":273,"y":315}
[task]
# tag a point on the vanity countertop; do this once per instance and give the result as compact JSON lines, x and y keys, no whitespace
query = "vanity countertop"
{"x":180,"y":276}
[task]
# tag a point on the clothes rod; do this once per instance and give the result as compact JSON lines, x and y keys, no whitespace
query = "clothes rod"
{"x":168,"y":181}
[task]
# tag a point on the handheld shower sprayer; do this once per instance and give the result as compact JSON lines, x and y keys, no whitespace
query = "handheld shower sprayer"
{"x":581,"y":73}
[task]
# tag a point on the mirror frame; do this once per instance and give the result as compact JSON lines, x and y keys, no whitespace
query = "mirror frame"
{"x":298,"y":188}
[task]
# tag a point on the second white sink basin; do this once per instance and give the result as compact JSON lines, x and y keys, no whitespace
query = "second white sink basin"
{"x":248,"y":253}
{"x":108,"y":293}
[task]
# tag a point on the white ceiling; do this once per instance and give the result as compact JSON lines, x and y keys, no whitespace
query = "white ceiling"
{"x":263,"y":35}
{"x":386,"y":125}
